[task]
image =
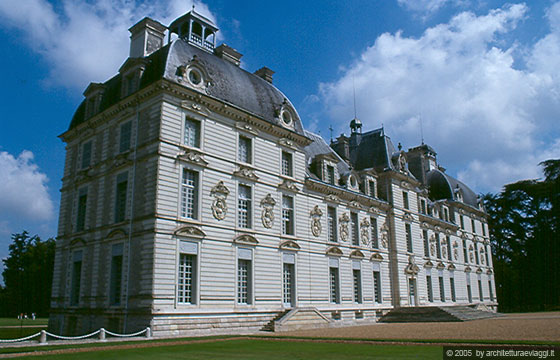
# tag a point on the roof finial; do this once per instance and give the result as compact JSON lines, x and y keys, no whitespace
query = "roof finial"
{"x":331,"y":130}
{"x":421,"y":130}
{"x":354,"y":88}
{"x":193,"y":6}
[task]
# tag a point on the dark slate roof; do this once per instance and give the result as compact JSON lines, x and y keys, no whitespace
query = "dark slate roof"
{"x":319,"y":147}
{"x":374,"y":151}
{"x":443,"y":186}
{"x":229,"y":83}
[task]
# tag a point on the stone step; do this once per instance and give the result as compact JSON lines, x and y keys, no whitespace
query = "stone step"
{"x":436,"y":314}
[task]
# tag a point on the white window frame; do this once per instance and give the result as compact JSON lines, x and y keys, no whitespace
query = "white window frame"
{"x":293,"y":218}
{"x":91,"y":151}
{"x":291,"y":170}
{"x":332,"y":226}
{"x":289,"y":258}
{"x":187,"y":118}
{"x":333,"y":263}
{"x":182,"y":209}
{"x":114,"y":251}
{"x":250,"y":153}
{"x":249,"y":206}
{"x":121,"y":148}
{"x":192,"y":248}
{"x":245,"y":254}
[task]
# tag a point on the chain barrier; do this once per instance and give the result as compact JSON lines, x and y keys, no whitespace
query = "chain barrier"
{"x":73,"y":337}
{"x":21,"y":339}
{"x":102,"y":337}
{"x":126,"y":335}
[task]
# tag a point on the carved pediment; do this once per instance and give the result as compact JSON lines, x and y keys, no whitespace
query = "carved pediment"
{"x":451,"y":267}
{"x":194,"y":107}
{"x":287,"y":143}
{"x":192,"y":156}
{"x":424,"y":225}
{"x":77,"y":242}
{"x":219,"y":190}
{"x":332,"y":198}
{"x":116,"y":233}
{"x":357,"y":254}
{"x":479,"y":271}
{"x":405,"y":185}
{"x":464,"y":235}
{"x":316,"y":211}
{"x":120,"y":161}
{"x":355,"y":204}
{"x":440,"y":266}
{"x":376,"y":257}
{"x":335,"y":251}
{"x":468,"y":269}
{"x":245,"y":239}
{"x":246,"y":172}
{"x":373,"y":211}
{"x":489,"y":272}
{"x":407,"y":217}
{"x":289,"y":185}
{"x":190,"y":231}
{"x":428,"y":264}
{"x":242,"y":125}
{"x":289,"y":245}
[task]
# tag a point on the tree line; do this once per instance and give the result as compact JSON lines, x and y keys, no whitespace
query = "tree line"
{"x":524,"y":221}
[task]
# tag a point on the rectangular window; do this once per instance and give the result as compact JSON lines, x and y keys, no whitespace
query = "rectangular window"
{"x":480,"y":294}
{"x":192,"y":133}
{"x":371,"y":185}
{"x":334,"y":288}
{"x":357,"y":276}
{"x":449,"y":248}
{"x":86,"y":155}
{"x":189,"y":194}
{"x":438,"y":246}
{"x":430,"y":289}
{"x":120,"y":197}
{"x":243,"y":281}
{"x":287,"y":164}
{"x":446,"y":214}
{"x":465,"y":257}
{"x":329,"y":176}
{"x":244,"y":207}
{"x":125,"y":136}
{"x":483,"y":229}
{"x":405,"y":200}
{"x":441,"y":289}
{"x":476,"y":254}
{"x":374,"y":237}
{"x":355,"y":231}
{"x":490,"y":289}
{"x":116,"y":274}
{"x":76,"y":277}
{"x":245,"y":150}
{"x":462,"y":220}
{"x":82,"y":209}
{"x":377,"y":287}
{"x":452,"y":285}
{"x":186,"y":279}
{"x":331,"y":224}
{"x":473,"y":226}
{"x":408,"y":237}
{"x":289,"y":284}
{"x":469,"y":292}
{"x":426,"y":243}
{"x":487,"y":255}
{"x":422,"y":206}
{"x":287,"y":215}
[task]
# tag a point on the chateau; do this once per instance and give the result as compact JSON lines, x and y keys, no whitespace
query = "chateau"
{"x":194,"y":200}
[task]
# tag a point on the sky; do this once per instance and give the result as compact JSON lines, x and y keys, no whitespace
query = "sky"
{"x":477,"y":80}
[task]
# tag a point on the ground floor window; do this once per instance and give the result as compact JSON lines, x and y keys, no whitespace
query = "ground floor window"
{"x":116,"y":274}
{"x":243,"y":281}
{"x":357,"y":276}
{"x":452,"y":286}
{"x":186,"y":279}
{"x":430,"y":289}
{"x":441,"y":289}
{"x":289,"y":283}
{"x":334,"y":287}
{"x":480,"y":295}
{"x":377,"y":287}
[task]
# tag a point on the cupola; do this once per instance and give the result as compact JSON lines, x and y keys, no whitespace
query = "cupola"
{"x":196,"y":30}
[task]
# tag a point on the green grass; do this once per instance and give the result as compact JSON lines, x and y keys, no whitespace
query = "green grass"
{"x":25,"y":322}
{"x":16,"y":333}
{"x":262,"y":349}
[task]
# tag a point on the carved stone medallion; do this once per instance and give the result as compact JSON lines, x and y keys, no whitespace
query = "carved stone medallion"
{"x":364,"y":231}
{"x":385,"y":235}
{"x":344,"y":233}
{"x":316,"y":227}
{"x":219,"y":205}
{"x":267,"y":215}
{"x":455,"y":250}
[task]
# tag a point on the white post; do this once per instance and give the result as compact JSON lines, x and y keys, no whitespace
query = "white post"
{"x":43,"y":338}
{"x":148,"y":332}
{"x":102,"y":334}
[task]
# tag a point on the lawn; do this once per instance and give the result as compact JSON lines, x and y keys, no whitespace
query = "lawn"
{"x":262,"y":349}
{"x":10,"y":328}
{"x":25,"y":322}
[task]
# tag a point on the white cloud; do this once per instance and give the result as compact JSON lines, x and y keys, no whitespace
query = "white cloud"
{"x":490,"y":120}
{"x":85,"y":40}
{"x":23,"y":190}
{"x":424,"y":6}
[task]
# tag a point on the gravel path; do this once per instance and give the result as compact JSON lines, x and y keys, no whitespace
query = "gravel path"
{"x":530,"y":326}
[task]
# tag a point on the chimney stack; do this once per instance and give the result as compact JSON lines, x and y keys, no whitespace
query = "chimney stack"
{"x":265,"y":73}
{"x":146,"y":37}
{"x":229,"y":54}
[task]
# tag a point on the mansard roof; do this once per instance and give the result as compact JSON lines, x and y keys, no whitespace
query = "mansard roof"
{"x":443,"y":186}
{"x":228,"y":83}
{"x":320,"y":147}
{"x":375,"y":149}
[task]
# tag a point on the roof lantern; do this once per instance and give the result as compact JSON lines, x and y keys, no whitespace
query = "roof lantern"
{"x":356,"y":126}
{"x":196,"y":30}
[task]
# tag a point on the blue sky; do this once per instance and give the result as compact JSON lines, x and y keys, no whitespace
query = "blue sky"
{"x":480,"y":76}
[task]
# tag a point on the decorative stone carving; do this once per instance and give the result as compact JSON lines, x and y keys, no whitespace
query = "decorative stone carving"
{"x":451,"y":267}
{"x":288,"y":184}
{"x":402,"y":162}
{"x":246,"y":172}
{"x":376,"y":257}
{"x":364,"y":231}
{"x":344,"y":233}
{"x":468,"y":269}
{"x":433,"y":245}
{"x":407,"y":217}
{"x":332,"y":198}
{"x":373,"y":211}
{"x":190,"y":231}
{"x":316,"y":227}
{"x":479,"y":271}
{"x":489,"y":272}
{"x":192,"y":156}
{"x":385,"y":235}
{"x":219,"y":205}
{"x":482,"y":255}
{"x":287,"y":143}
{"x":440,"y":266}
{"x":355,"y":204}
{"x":428,"y":264}
{"x":404,"y":184}
{"x":411,"y":268}
{"x":455,"y":250}
{"x":289,"y":245}
{"x":444,"y":248}
{"x":471,"y":253}
{"x":357,"y":254}
{"x":333,"y":250}
{"x":246,"y":239}
{"x":246,"y":127}
{"x":267,"y":215}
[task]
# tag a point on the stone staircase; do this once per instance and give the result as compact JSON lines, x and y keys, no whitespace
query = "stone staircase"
{"x":300,"y":318}
{"x":436,"y":314}
{"x":269,"y":326}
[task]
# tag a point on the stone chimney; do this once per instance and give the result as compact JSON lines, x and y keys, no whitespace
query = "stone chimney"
{"x":229,"y":54}
{"x":146,"y":37}
{"x":265,"y":73}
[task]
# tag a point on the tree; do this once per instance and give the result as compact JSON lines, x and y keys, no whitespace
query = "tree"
{"x":28,"y":273}
{"x":524,"y":224}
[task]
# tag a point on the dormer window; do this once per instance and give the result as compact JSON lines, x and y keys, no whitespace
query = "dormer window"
{"x":329,"y":175}
{"x":93,"y":94}
{"x":372,"y":188}
{"x":423,"y":206}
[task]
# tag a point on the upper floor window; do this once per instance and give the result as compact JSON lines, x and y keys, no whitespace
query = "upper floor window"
{"x":82,"y":209}
{"x":244,"y":151}
{"x":86,"y":154}
{"x":329,"y":175}
{"x":473,"y":226}
{"x":446,"y":214}
{"x":125,"y":136}
{"x":406,"y":205}
{"x":189,"y":194}
{"x":355,"y":231}
{"x":331,"y":224}
{"x":192,"y":133}
{"x":438,"y":246}
{"x":426,"y":243}
{"x":115,"y":283}
{"x":371,"y":185}
{"x":76,"y":277}
{"x":244,"y":207}
{"x":483,"y":229}
{"x":408,"y":238}
{"x":120,"y":197}
{"x":462,"y":222}
{"x":287,"y":215}
{"x":423,"y":206}
{"x":465,"y":255}
{"x":374,"y":238}
{"x":449,"y":248}
{"x":287,"y":164}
